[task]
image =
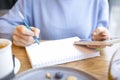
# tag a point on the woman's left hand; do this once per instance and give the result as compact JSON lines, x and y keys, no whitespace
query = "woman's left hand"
{"x":100,"y":34}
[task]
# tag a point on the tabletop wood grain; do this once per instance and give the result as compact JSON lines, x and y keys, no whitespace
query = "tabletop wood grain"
{"x":97,"y":66}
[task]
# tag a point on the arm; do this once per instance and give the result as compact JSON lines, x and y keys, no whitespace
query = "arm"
{"x":103,"y":17}
{"x":101,"y":32}
{"x":11,"y":25}
{"x":10,"y":20}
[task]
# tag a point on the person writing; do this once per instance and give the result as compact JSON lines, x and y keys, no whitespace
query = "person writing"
{"x":56,"y":19}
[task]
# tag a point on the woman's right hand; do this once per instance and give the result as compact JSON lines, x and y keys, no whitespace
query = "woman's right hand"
{"x":23,"y":36}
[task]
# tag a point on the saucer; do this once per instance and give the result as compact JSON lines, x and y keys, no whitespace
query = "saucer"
{"x":17,"y":66}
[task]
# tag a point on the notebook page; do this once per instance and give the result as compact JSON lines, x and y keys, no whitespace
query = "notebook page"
{"x":54,"y":52}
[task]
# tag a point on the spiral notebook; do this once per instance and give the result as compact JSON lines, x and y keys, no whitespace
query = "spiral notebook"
{"x":54,"y":52}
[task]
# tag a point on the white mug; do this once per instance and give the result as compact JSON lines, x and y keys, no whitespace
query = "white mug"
{"x":6,"y":60}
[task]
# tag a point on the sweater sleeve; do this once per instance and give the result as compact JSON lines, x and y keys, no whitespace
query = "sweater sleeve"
{"x":10,"y":20}
{"x":103,"y":17}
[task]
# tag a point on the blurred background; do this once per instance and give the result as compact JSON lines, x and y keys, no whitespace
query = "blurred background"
{"x":114,"y":26}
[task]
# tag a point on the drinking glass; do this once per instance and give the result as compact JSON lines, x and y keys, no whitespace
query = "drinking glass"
{"x":114,"y":67}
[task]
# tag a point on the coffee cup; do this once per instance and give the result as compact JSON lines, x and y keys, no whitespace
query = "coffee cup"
{"x":6,"y":60}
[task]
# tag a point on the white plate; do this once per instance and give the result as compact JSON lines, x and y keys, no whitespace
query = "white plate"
{"x":17,"y":66}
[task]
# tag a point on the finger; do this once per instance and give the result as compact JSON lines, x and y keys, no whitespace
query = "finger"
{"x":36,"y":31}
{"x":21,"y":31}
{"x":100,"y":30}
{"x":21,"y":36}
{"x":92,"y":46}
{"x":24,"y":31}
{"x":100,"y":37}
{"x":96,"y":46}
{"x":18,"y":44}
{"x":25,"y":39}
{"x":21,"y":42}
{"x":100,"y":34}
{"x":104,"y":33}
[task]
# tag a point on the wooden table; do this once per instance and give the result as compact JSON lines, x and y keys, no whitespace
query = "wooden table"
{"x":97,"y":66}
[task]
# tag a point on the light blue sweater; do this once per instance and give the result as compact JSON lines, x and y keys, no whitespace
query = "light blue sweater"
{"x":57,"y":19}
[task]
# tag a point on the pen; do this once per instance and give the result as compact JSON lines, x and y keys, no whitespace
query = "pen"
{"x":28,"y":27}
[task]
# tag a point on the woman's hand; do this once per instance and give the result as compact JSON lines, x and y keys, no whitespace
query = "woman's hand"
{"x":23,"y":36}
{"x":100,"y":34}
